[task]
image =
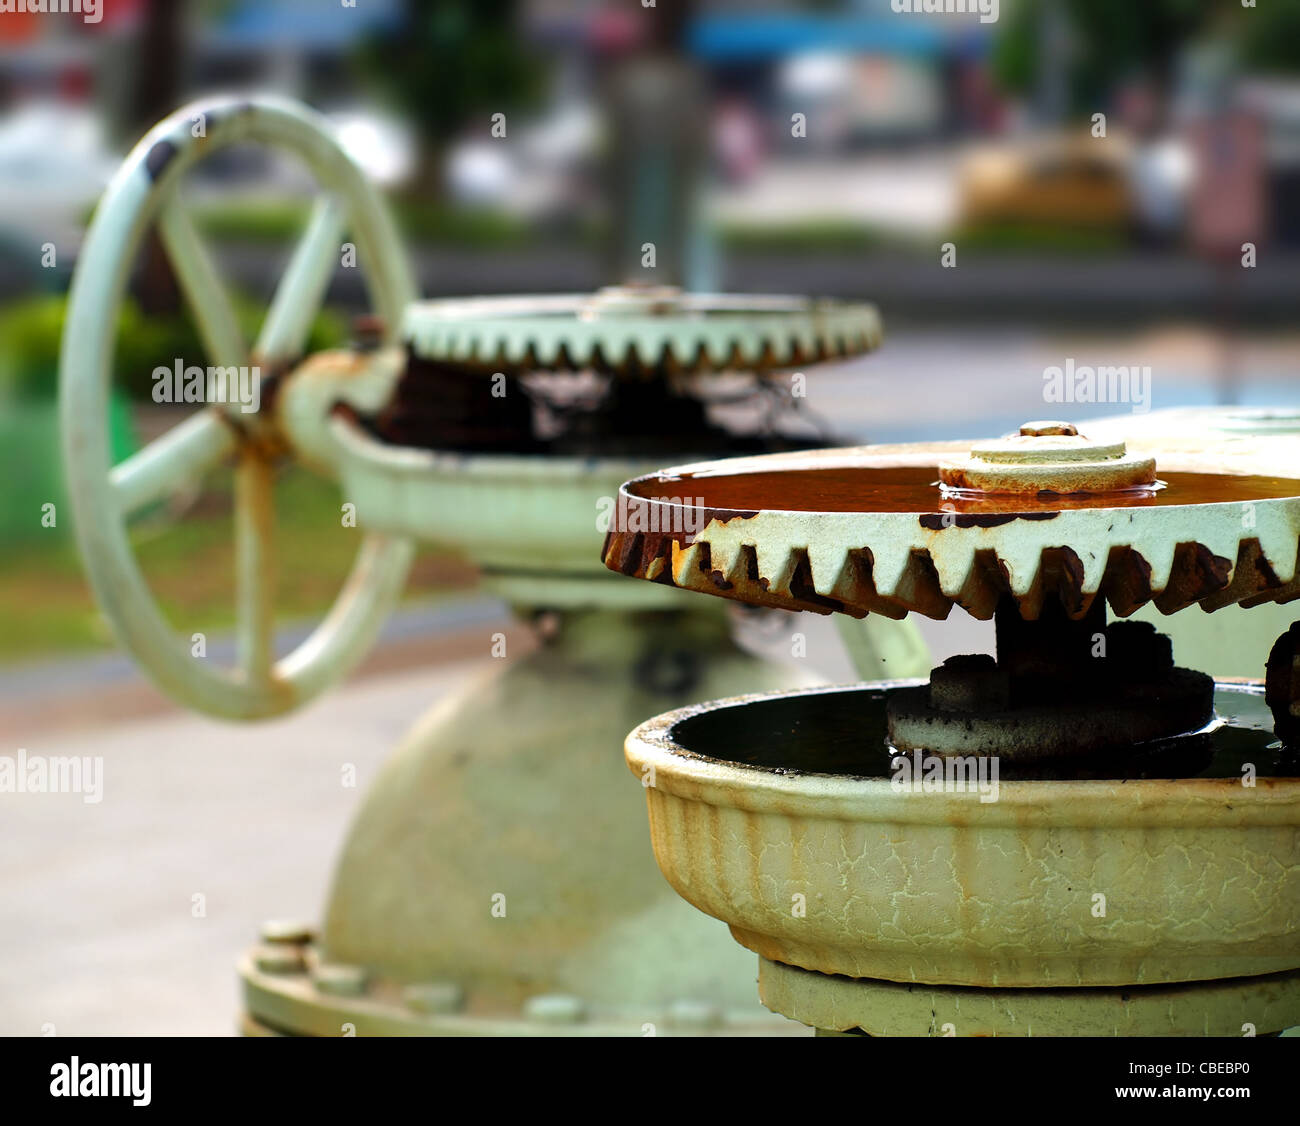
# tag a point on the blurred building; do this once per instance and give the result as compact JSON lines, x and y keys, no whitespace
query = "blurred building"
{"x":870,"y":75}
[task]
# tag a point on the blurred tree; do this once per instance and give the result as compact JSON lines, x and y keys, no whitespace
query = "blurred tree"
{"x":447,"y":62}
{"x":1109,"y":40}
{"x":155,"y":92}
{"x":160,"y":53}
{"x":1271,"y":39}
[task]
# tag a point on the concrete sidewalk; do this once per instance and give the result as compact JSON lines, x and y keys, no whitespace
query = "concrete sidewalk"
{"x":101,"y":933}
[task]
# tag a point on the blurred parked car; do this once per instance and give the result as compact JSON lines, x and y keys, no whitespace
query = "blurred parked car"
{"x":54,"y":164}
{"x":1067,"y":180}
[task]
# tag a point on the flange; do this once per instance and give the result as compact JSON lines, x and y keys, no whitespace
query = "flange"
{"x":1259,"y":1005}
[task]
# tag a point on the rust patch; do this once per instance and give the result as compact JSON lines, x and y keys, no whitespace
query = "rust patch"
{"x":632,"y":557}
{"x":1196,"y":573}
{"x":938,"y":521}
{"x":1127,"y":585}
{"x":1069,"y":584}
{"x":725,"y":516}
{"x":1267,"y":575}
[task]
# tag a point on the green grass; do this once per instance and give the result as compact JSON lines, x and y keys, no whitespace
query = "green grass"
{"x":31,"y":332}
{"x":1040,"y":238}
{"x":834,"y":236}
{"x":825,"y":236}
{"x":431,"y":222}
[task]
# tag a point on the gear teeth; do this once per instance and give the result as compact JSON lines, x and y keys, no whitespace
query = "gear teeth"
{"x":702,"y":333}
{"x":692,"y":567}
{"x":1070,"y":588}
{"x":1094,"y":568}
{"x":1060,"y":575}
{"x":985,"y":585}
{"x":777,"y":568}
{"x":1288,"y":593}
{"x":919,"y":588}
{"x":1275,"y":546}
{"x":1159,"y":559}
{"x":1288,"y":588}
{"x":828,"y":564}
{"x":1251,"y":575}
{"x":1197,"y":573}
{"x":1127,"y":582}
{"x":1023,"y":564}
{"x":725,"y":564}
{"x":745,"y":556}
{"x":800,"y":578}
{"x":716,"y":570}
{"x":855,"y":587}
{"x":801,"y":585}
{"x":888,"y":564}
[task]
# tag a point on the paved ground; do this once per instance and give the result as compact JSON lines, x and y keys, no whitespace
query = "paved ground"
{"x":902,"y":192}
{"x":102,"y":935}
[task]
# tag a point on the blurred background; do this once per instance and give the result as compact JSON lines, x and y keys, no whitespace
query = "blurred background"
{"x":952,"y":170}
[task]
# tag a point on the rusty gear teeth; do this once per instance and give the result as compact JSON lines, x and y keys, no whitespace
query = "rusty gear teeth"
{"x":892,"y":563}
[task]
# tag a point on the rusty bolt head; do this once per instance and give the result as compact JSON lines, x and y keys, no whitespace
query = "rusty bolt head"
{"x":1041,"y":429}
{"x":280,"y":931}
{"x":555,"y":1008}
{"x":339,"y":980}
{"x":434,"y":997}
{"x":698,"y":1016}
{"x":279,"y":960}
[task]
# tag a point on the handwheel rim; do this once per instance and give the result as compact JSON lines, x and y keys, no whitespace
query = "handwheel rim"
{"x":102,"y":497}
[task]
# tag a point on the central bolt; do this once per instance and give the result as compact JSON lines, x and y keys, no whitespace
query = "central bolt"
{"x":1048,"y":457}
{"x":1041,"y":429}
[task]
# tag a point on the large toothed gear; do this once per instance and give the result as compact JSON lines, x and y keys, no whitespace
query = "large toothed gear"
{"x":869,"y":530}
{"x":639,"y":330}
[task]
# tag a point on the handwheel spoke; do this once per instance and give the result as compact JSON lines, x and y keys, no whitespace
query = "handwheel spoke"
{"x":301,"y":291}
{"x":177,"y":459}
{"x":209,"y":303}
{"x":254,"y":566}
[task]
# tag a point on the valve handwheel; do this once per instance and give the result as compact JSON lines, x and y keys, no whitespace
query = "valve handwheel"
{"x":104,"y":497}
